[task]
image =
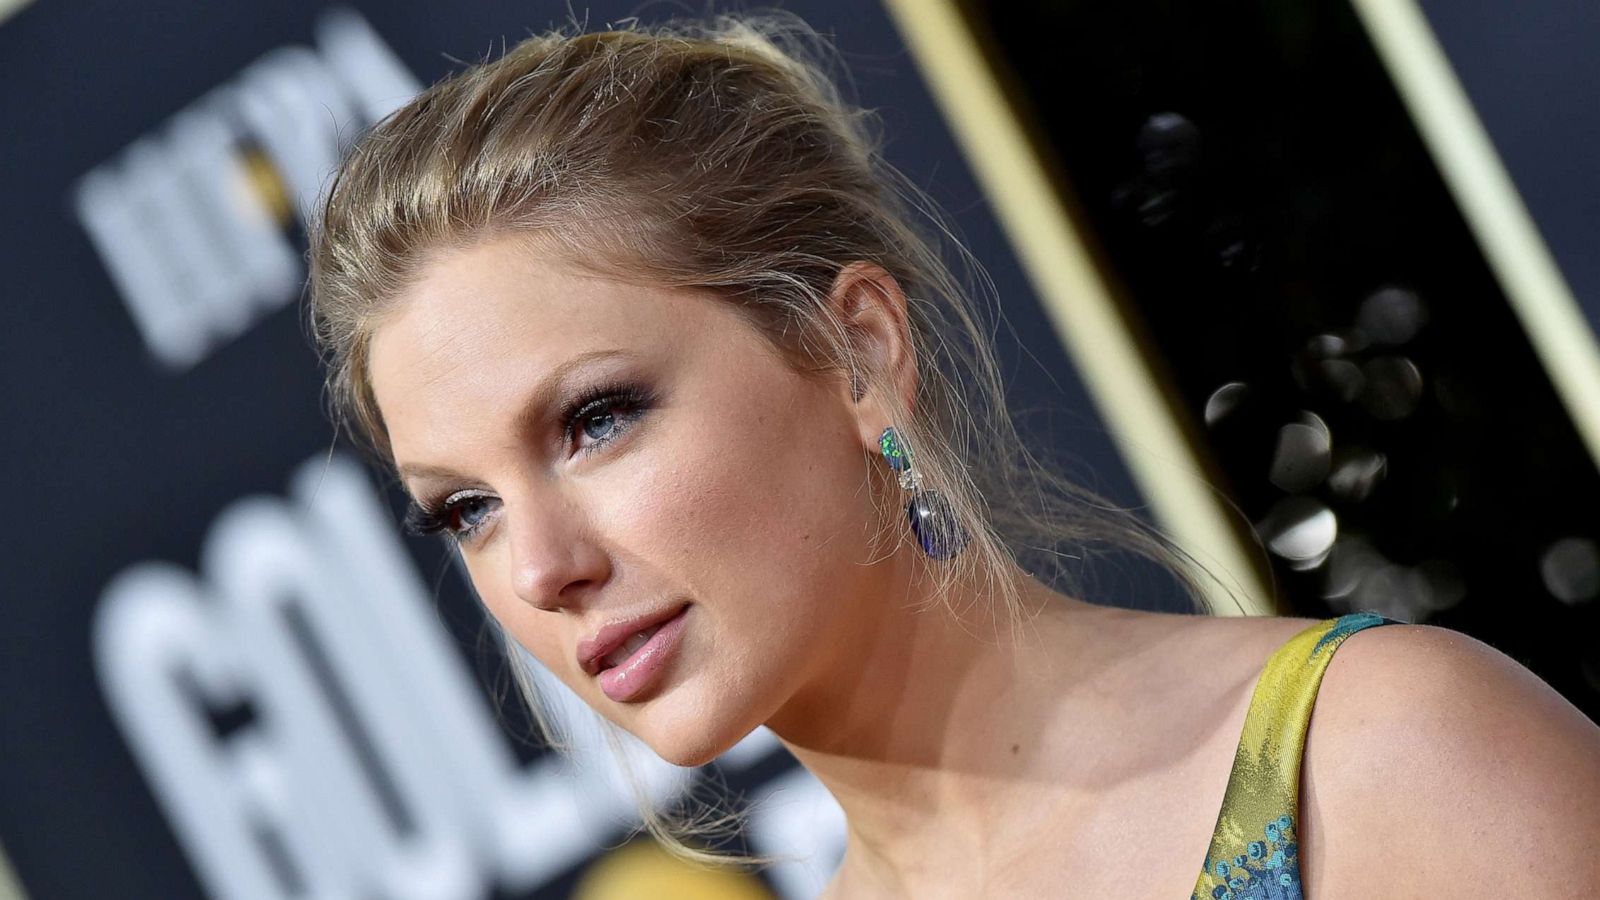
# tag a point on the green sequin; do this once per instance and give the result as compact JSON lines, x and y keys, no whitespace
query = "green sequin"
{"x":892,"y":450}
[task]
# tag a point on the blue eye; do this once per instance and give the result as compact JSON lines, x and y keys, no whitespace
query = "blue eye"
{"x":599,"y":427}
{"x":596,"y":419}
{"x":468,"y":513}
{"x":459,"y":515}
{"x":603,"y":414}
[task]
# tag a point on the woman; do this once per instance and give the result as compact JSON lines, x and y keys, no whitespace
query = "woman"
{"x":641,"y":322}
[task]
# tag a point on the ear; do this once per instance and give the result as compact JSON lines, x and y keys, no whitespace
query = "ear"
{"x":872,"y":308}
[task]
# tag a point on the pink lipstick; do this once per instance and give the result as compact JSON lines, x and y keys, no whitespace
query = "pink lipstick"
{"x":630,"y":657}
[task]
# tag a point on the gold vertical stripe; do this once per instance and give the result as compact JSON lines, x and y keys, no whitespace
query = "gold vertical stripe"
{"x":1076,"y":296}
{"x":9,"y":8}
{"x":10,"y":887}
{"x":1483,"y":189}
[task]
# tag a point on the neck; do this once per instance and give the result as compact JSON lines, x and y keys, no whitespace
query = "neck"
{"x":933,"y":729}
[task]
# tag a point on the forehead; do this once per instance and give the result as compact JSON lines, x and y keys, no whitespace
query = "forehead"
{"x":512,"y":288}
{"x":482,"y":324}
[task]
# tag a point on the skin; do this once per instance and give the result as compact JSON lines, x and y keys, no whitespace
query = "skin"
{"x":968,"y":763}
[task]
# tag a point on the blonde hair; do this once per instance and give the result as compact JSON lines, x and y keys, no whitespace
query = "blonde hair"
{"x":715,"y":155}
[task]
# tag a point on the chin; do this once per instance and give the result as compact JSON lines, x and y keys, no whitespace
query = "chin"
{"x":689,"y":754}
{"x":690,"y":745}
{"x":687,"y":747}
{"x":680,"y":736}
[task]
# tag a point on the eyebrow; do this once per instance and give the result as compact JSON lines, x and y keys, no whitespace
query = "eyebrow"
{"x":543,"y":395}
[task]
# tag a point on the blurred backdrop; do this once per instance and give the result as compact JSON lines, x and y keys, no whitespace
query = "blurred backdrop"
{"x":1313,"y":286}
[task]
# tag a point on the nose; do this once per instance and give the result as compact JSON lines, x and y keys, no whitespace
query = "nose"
{"x":555,"y":560}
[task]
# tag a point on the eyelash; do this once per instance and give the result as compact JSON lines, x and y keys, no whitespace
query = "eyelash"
{"x":436,"y":517}
{"x":617,"y":396}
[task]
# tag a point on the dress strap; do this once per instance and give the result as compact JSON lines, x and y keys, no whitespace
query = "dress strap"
{"x":1254,"y":852}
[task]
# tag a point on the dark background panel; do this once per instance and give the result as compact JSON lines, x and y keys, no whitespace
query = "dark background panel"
{"x":1534,"y":78}
{"x":1334,"y":331}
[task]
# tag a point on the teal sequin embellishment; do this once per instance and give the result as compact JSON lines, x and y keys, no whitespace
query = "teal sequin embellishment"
{"x":893,"y":452}
{"x":1346,"y":626}
{"x":1267,"y":870}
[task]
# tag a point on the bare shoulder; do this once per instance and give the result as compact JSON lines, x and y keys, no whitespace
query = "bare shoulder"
{"x":1434,"y":762}
{"x":1247,"y":639}
{"x":1212,"y":656}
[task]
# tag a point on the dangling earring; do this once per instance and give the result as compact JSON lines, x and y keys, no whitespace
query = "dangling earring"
{"x":932,"y":519}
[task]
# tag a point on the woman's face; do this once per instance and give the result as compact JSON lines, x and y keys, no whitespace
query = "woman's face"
{"x":610,"y":454}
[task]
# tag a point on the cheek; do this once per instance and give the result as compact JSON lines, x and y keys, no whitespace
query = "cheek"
{"x":775,"y":512}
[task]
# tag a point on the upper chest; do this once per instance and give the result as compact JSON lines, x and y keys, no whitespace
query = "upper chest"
{"x":1155,"y":809}
{"x":1148,"y":836}
{"x":1140,"y":823}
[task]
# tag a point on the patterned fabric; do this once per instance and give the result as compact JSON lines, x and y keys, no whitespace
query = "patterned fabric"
{"x":1254,"y":853}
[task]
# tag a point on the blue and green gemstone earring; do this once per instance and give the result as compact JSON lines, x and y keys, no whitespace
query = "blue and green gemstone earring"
{"x":934,"y":523}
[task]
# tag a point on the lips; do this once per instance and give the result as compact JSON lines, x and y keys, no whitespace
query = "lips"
{"x":616,"y":641}
{"x":620,"y":655}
